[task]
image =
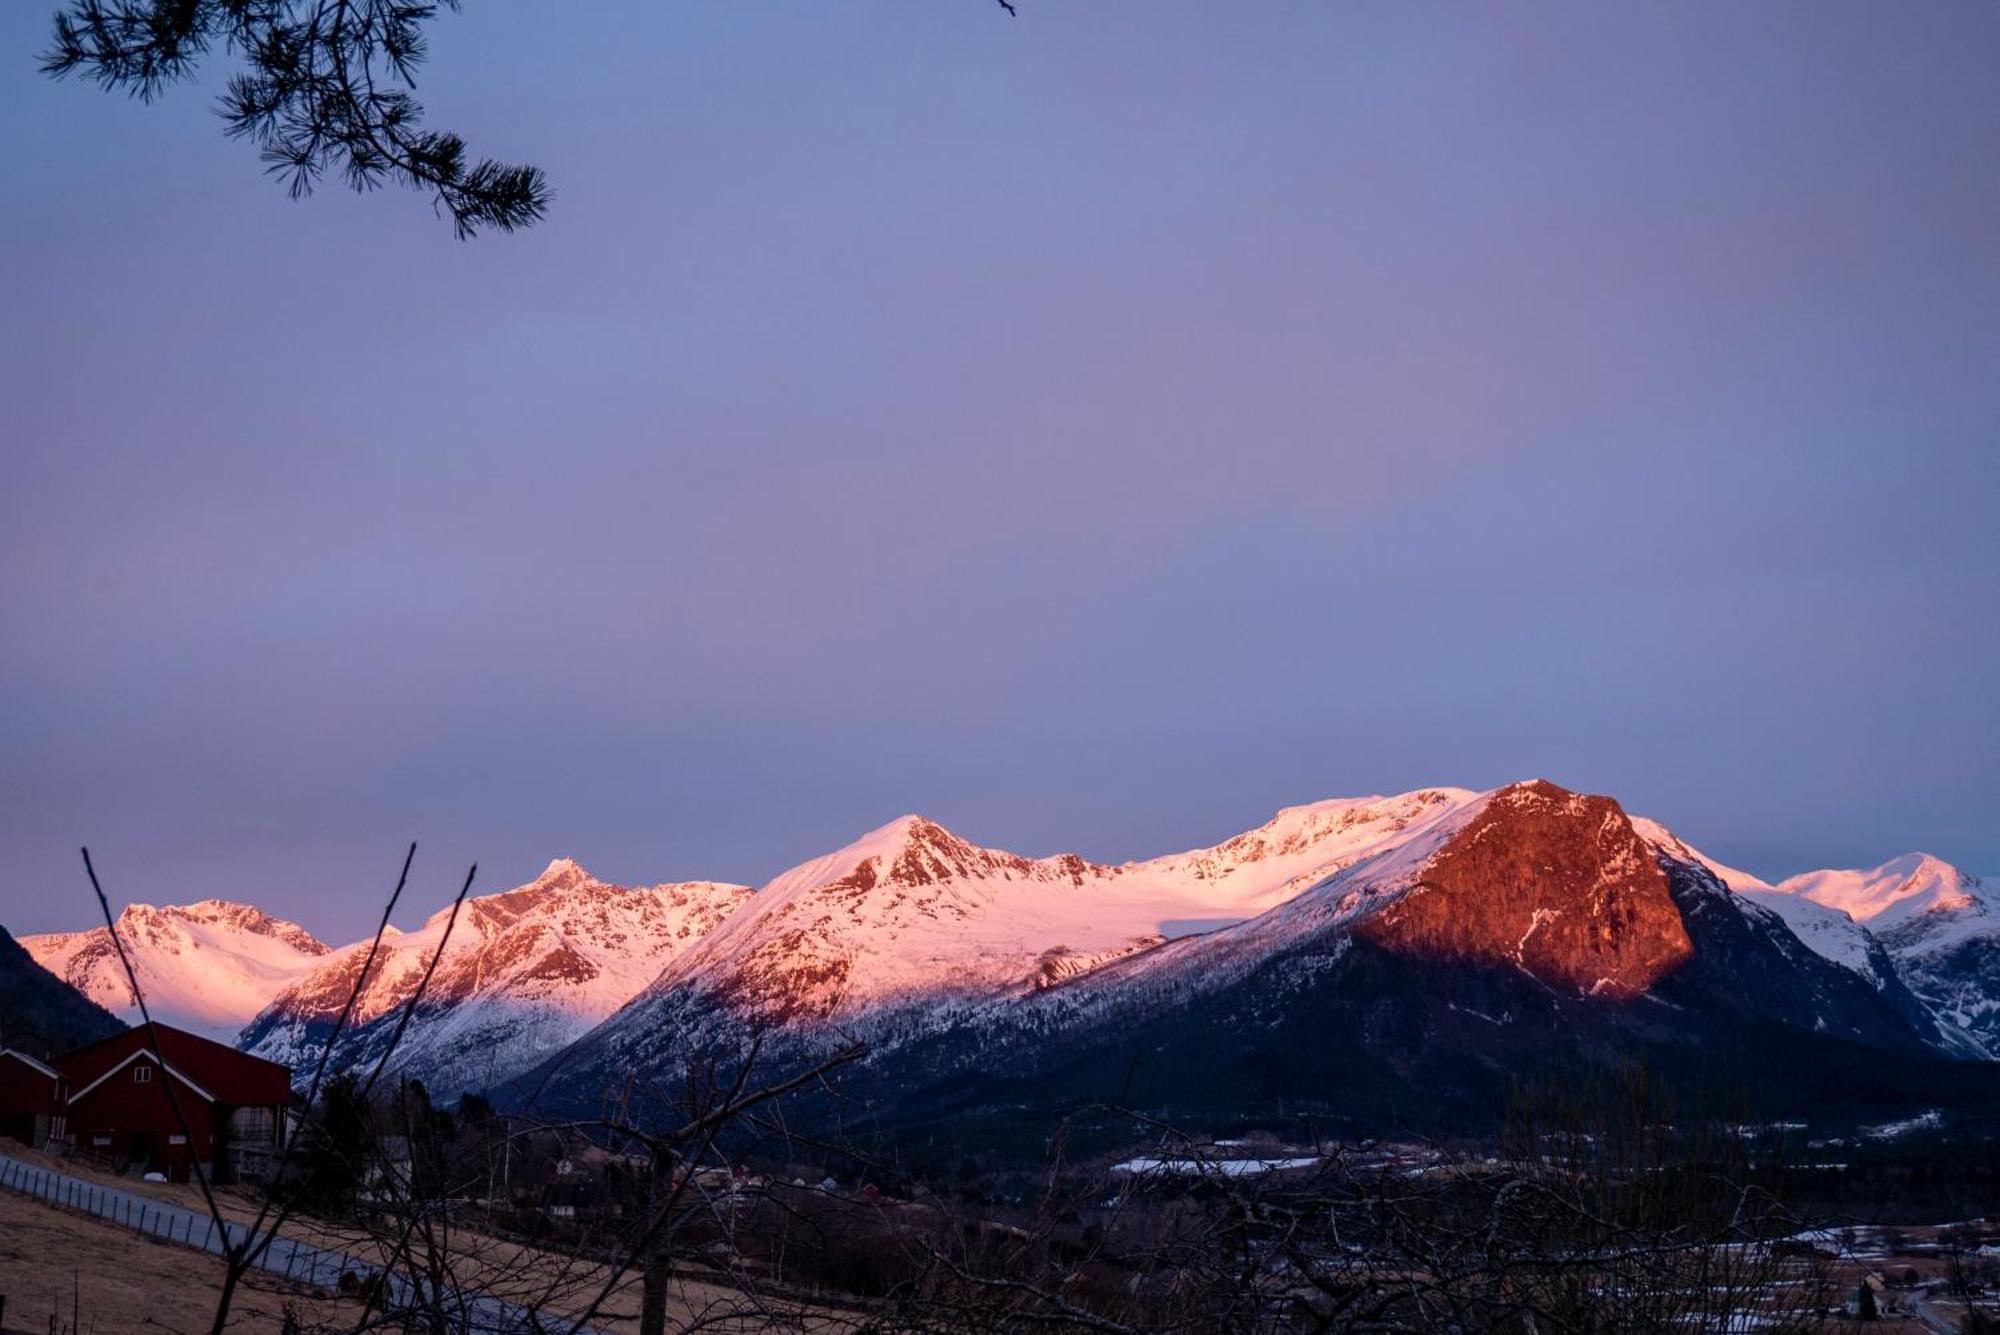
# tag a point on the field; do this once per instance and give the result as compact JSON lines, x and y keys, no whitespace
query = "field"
{"x":91,"y":1275}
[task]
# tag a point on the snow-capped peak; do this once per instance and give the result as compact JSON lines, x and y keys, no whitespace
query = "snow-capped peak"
{"x":1829,"y":932}
{"x":522,"y":972}
{"x":1892,"y":894}
{"x":207,"y":966}
{"x":912,"y":913}
{"x":1303,"y":843}
{"x":1941,"y":926}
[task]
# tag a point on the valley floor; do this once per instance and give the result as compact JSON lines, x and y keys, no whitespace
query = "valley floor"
{"x":95,"y":1277}
{"x":65,"y":1271}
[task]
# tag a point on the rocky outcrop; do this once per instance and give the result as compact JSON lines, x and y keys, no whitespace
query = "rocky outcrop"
{"x":1555,"y":882}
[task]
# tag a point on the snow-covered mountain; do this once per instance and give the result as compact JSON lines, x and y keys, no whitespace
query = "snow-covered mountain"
{"x":522,"y":974}
{"x":1940,"y":925}
{"x":1556,"y":887}
{"x":1437,"y":927}
{"x":207,"y":967}
{"x":1828,"y":931}
{"x":1914,"y":897}
{"x":1827,"y":928}
{"x":1435,"y":939}
{"x":910,"y":922}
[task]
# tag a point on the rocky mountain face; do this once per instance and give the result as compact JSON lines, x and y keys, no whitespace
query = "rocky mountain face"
{"x":40,"y":1014}
{"x":1557,"y":882}
{"x":1447,"y":943}
{"x":521,"y":974}
{"x":208,"y":967}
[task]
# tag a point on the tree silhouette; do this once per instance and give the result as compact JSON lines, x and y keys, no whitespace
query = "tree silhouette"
{"x":326,"y":88}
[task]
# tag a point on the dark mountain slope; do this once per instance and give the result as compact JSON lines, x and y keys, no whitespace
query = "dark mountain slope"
{"x":39,"y":1012}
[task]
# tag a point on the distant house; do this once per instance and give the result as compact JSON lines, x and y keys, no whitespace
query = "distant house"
{"x":32,"y":1100}
{"x":234,"y":1109}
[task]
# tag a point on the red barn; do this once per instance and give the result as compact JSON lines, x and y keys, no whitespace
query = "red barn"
{"x":237,"y":1107}
{"x":32,"y":1099}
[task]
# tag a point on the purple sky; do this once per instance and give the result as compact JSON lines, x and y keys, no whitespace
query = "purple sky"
{"x":1093,"y":429}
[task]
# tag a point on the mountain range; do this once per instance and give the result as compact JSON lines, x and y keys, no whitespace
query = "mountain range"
{"x":1428,"y":947}
{"x":522,"y":974}
{"x":1424,"y":951}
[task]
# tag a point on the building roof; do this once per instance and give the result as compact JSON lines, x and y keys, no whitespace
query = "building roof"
{"x":218,"y":1072}
{"x":40,"y":1067}
{"x":149,"y":1055}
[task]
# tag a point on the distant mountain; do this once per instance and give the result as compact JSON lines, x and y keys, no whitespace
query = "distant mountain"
{"x":1940,"y":925}
{"x":1417,"y":952}
{"x":909,"y":924}
{"x":207,"y":967}
{"x":1831,"y":934}
{"x":1400,"y":955}
{"x":40,"y":1014}
{"x":523,"y":973}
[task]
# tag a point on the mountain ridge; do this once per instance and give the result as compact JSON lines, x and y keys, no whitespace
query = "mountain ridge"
{"x":1512,"y":907}
{"x":1524,"y":911}
{"x":522,"y":972}
{"x":206,"y":966}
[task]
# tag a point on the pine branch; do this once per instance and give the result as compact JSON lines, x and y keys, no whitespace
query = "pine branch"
{"x":325,"y":89}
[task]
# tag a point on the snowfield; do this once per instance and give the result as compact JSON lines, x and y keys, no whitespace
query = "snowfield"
{"x":206,"y":967}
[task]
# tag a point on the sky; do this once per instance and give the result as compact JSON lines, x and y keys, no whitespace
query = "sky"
{"x":1094,"y":429}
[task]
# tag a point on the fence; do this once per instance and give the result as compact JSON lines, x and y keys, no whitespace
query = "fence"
{"x":287,"y":1258}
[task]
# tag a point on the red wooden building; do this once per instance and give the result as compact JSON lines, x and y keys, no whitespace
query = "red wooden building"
{"x":236,"y":1107}
{"x":32,"y":1099}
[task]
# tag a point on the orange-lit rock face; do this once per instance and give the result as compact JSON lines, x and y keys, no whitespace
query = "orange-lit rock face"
{"x":1553,"y":881}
